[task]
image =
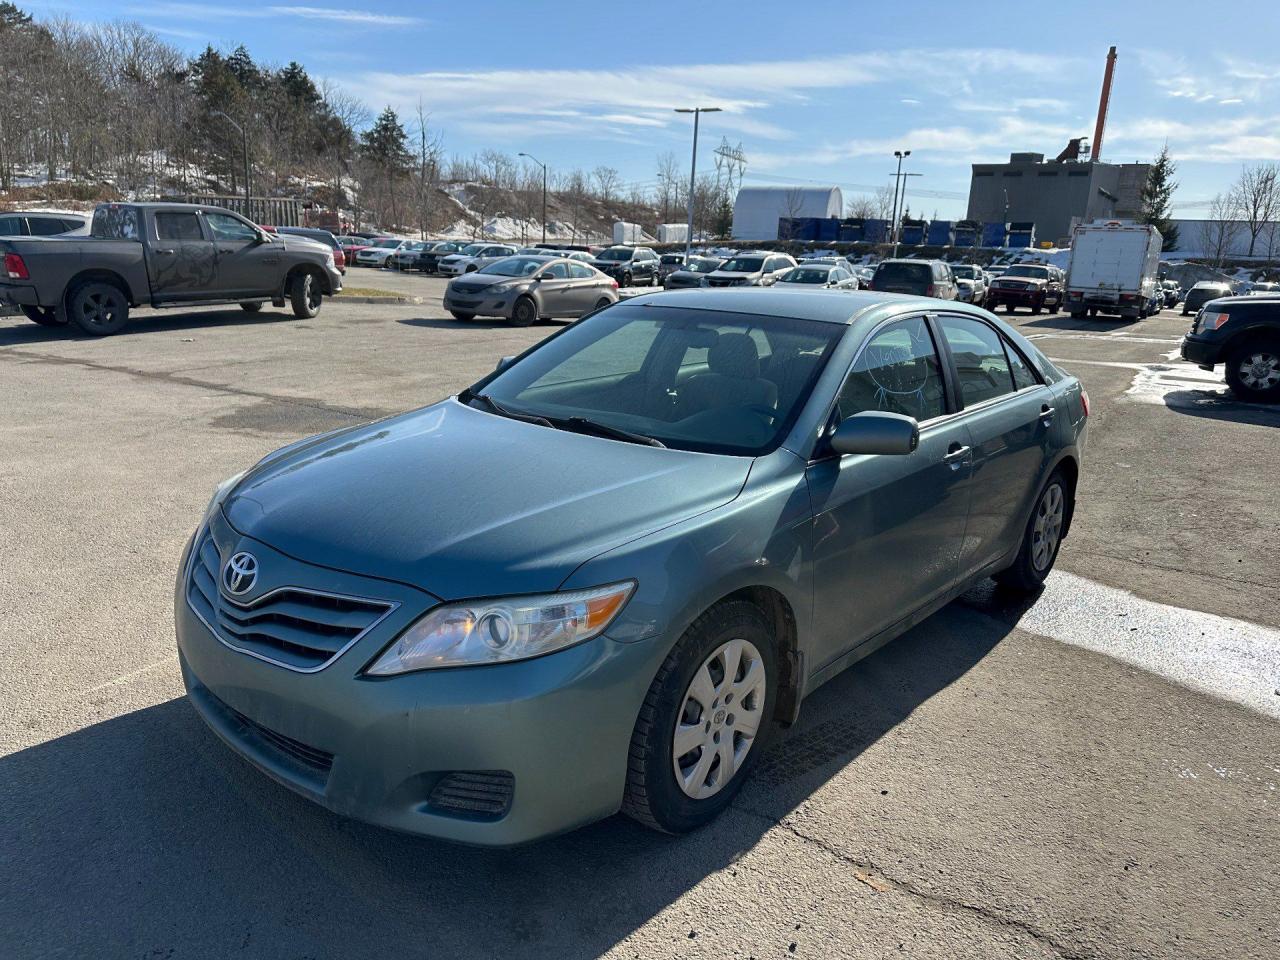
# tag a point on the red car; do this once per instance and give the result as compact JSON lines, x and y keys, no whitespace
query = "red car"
{"x":1036,"y":286}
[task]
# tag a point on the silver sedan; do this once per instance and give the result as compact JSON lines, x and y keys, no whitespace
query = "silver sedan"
{"x":524,"y":289}
{"x":809,"y":276}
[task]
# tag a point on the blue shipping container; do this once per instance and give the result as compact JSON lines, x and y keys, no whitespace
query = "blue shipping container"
{"x":913,"y":232}
{"x":829,"y":229}
{"x":940,"y":233}
{"x":966,"y":233}
{"x":875,"y":231}
{"x":1022,"y":235}
{"x":993,"y":234}
{"x":851,"y":230}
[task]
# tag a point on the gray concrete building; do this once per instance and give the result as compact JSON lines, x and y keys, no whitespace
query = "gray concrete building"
{"x":1053,"y":194}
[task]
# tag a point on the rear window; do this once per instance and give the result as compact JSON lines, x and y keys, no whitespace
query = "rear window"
{"x":904,"y":273}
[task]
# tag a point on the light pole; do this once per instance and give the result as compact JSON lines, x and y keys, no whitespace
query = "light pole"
{"x":693,"y":169}
{"x":244,"y":136}
{"x":897,"y":181}
{"x":544,"y":191}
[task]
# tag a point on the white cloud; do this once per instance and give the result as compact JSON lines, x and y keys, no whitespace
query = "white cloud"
{"x":198,"y":11}
{"x":1230,"y":101}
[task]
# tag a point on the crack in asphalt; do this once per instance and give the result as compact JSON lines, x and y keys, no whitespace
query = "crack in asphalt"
{"x":871,"y":875}
{"x":354,"y":413}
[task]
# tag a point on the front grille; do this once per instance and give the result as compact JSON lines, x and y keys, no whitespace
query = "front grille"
{"x":468,"y":288}
{"x":303,"y":630}
{"x":717,"y":282}
{"x":311,"y":757}
{"x":475,"y":794}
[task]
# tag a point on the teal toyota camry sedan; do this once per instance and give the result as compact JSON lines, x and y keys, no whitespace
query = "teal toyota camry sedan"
{"x":597,"y":579}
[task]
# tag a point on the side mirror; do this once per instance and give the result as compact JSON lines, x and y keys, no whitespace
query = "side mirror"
{"x":503,"y":364}
{"x":874,"y":431}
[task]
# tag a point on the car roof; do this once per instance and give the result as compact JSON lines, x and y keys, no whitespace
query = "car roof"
{"x":827,"y":306}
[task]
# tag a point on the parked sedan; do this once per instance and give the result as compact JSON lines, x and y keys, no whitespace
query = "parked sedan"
{"x":376,"y":254}
{"x":597,"y":578}
{"x":406,"y":255}
{"x":472,"y":257}
{"x":524,"y":289}
{"x":759,"y":269}
{"x":691,"y":274}
{"x":429,"y":257}
{"x":810,"y":274}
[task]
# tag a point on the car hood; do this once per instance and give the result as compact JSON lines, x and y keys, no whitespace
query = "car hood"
{"x":463,"y":503}
{"x":477,"y":281}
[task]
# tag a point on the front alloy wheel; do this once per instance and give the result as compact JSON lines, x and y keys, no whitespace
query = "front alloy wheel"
{"x":717,"y":724}
{"x":1254,"y":374}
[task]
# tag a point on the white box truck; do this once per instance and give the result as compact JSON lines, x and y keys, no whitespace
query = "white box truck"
{"x":673,"y":232}
{"x":1115,"y":266}
{"x":624,"y":232}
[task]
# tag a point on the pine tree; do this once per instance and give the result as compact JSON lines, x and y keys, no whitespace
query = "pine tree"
{"x":386,"y":143}
{"x":1157,"y":193}
{"x":11,"y":17}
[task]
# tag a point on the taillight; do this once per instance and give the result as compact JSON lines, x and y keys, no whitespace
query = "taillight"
{"x":928,"y":291}
{"x":1075,"y":294}
{"x":14,"y":268}
{"x":614,"y":284}
{"x":1128,"y":297}
{"x":1084,"y":401}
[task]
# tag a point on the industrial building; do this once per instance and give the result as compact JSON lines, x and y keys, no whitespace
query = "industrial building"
{"x":1055,"y":194}
{"x":757,"y":210}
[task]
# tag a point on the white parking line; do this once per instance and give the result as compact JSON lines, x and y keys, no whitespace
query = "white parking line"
{"x":1127,"y":338}
{"x":1232,"y":659}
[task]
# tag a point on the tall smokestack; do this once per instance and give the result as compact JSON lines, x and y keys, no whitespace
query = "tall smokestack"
{"x":1103,"y":103}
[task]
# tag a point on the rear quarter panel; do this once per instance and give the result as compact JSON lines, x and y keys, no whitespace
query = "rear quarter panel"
{"x":54,"y":262}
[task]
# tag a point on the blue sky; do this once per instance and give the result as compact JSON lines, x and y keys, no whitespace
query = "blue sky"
{"x":817,"y":91}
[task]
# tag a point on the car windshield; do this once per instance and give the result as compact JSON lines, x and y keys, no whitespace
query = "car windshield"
{"x":515,"y":266}
{"x":904,"y":273}
{"x":692,"y":379}
{"x":702,"y":266}
{"x":615,"y":253}
{"x":743,"y":265}
{"x":387,"y":244}
{"x":1038,"y":273}
{"x":805,"y":275}
{"x":471,"y":249}
{"x":965,"y":271}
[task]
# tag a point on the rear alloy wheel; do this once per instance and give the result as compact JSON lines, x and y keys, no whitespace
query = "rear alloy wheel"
{"x":305,"y":295}
{"x":1253,"y":372}
{"x":602,"y":303}
{"x":703,"y":720}
{"x":1040,"y":540}
{"x":524,"y":312}
{"x":45,"y":316}
{"x":98,"y":309}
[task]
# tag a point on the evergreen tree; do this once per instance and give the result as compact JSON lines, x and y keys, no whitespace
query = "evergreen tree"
{"x":11,"y":17}
{"x":385,"y":143}
{"x":1157,"y":193}
{"x":297,"y":86}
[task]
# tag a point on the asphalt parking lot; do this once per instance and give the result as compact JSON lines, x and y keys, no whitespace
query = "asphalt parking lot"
{"x":1091,"y":776}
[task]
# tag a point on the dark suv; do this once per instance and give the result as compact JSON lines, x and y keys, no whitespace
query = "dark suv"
{"x":630,"y":266}
{"x":1202,"y":293}
{"x":429,"y":256}
{"x":923,"y":278}
{"x":1034,"y":285}
{"x":1244,"y":334}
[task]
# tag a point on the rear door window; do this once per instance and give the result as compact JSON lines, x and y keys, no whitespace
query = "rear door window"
{"x":174,"y":225}
{"x":580,"y":271}
{"x":10,"y":226}
{"x":45,"y":226}
{"x":980,"y":359}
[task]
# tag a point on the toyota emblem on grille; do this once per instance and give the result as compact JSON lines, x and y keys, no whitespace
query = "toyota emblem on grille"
{"x":240,"y":573}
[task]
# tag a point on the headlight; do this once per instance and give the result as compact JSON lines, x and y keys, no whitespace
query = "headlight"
{"x":502,"y":630}
{"x":219,"y":494}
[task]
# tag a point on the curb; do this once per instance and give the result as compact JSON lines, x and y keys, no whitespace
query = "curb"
{"x":412,"y":300}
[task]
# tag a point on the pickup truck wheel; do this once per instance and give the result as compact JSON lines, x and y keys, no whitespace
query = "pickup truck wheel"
{"x":98,"y":309}
{"x":251,"y":306}
{"x":45,"y":316}
{"x":305,"y":295}
{"x":1253,"y":371}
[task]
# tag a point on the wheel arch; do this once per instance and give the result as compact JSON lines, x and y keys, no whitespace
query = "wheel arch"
{"x":98,"y":275}
{"x":1069,"y":466}
{"x":300,"y":268}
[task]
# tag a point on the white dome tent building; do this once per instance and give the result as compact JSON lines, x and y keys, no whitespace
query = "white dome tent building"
{"x":756,"y":210}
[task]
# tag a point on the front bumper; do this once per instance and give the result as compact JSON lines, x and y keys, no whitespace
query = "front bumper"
{"x":480,"y":304}
{"x":1021,"y":298}
{"x":558,"y":727}
{"x":1200,"y":352}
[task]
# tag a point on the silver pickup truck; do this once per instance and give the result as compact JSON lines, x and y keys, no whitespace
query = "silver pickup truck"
{"x":161,"y":255}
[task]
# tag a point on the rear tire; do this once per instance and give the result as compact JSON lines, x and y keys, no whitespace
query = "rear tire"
{"x":97,"y":308}
{"x":675,"y":703}
{"x":251,"y":306}
{"x":627,"y":279}
{"x":524,"y":312}
{"x":45,"y":316}
{"x":1041,"y":539}
{"x":459,"y":315}
{"x":305,"y":295}
{"x":1253,"y":371}
{"x":602,"y":303}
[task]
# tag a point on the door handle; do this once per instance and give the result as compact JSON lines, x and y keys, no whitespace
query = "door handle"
{"x":956,"y":455}
{"x":167,"y":252}
{"x":1046,"y":412}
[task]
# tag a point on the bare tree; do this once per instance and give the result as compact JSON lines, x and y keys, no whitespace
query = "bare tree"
{"x":426,"y":174}
{"x":1219,"y":230}
{"x":1257,"y":195}
{"x":607,"y":180}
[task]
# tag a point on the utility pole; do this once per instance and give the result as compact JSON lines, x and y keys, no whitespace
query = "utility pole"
{"x":244,"y":137}
{"x":544,"y":191}
{"x":693,"y":170}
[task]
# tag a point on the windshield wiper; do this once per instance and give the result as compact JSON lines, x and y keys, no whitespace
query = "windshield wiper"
{"x":583,"y":425}
{"x":503,"y":411}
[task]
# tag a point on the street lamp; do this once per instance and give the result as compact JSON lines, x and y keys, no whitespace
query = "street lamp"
{"x":693,"y":169}
{"x":244,"y":136}
{"x":544,"y":191}
{"x":900,"y":195}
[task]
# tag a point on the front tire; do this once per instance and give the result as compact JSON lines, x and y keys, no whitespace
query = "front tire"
{"x":524,"y":312}
{"x":305,"y":295}
{"x":1253,"y":372}
{"x":1041,"y":539}
{"x":98,"y":309}
{"x":702,"y":724}
{"x":45,"y":316}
